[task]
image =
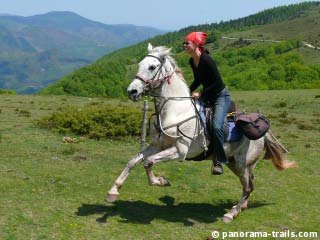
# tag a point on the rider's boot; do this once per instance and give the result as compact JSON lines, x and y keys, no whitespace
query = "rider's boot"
{"x":216,"y":168}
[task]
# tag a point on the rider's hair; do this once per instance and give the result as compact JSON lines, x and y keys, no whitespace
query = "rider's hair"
{"x":204,"y":50}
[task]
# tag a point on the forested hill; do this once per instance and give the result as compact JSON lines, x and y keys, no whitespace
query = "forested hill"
{"x":244,"y":64}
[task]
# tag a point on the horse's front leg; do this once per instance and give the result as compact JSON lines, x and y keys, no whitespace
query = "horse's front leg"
{"x":168,"y":154}
{"x":113,"y":193}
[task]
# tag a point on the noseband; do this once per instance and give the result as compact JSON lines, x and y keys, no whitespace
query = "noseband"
{"x":151,"y":83}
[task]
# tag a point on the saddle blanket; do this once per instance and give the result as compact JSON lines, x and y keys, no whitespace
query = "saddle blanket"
{"x":232,"y":133}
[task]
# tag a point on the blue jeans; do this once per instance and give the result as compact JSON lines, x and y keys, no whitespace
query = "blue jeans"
{"x":220,"y":109}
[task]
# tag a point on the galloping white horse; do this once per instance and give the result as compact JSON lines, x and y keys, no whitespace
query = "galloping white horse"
{"x":178,"y":135}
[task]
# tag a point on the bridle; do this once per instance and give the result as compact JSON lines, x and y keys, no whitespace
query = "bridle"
{"x":154,"y":82}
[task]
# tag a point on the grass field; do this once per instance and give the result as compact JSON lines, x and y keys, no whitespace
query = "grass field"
{"x":56,"y":190}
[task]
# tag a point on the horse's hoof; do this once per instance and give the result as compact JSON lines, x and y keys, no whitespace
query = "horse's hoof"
{"x":227,"y":217}
{"x":164,"y":182}
{"x":112,"y":197}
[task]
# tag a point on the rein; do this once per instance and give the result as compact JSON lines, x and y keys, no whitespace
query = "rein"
{"x":162,"y":129}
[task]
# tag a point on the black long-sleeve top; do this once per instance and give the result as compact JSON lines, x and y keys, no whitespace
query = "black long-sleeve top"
{"x":207,"y":74}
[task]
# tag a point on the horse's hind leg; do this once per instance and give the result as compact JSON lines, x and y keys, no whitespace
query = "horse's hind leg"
{"x":246,"y":179}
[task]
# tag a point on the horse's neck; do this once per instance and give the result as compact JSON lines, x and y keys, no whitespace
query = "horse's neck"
{"x":175,"y":87}
{"x":175,"y":99}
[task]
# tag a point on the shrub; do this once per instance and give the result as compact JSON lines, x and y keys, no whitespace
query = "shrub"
{"x":7,"y":91}
{"x":22,"y":112}
{"x":281,"y":104}
{"x":95,"y":121}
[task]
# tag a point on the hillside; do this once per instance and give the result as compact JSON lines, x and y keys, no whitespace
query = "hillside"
{"x":54,"y":189}
{"x":245,"y":65}
{"x":38,"y":50}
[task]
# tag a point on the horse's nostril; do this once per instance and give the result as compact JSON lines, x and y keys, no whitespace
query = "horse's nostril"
{"x":132,"y":92}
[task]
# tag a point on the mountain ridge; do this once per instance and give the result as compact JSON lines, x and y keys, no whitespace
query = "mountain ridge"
{"x":69,"y":34}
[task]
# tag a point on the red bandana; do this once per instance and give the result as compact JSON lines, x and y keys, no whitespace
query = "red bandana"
{"x":198,"y":38}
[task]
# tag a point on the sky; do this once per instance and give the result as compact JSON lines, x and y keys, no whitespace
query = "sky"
{"x":161,"y":14}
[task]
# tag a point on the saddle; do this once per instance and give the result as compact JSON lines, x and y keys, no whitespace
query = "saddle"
{"x":232,"y":132}
{"x":236,"y":125}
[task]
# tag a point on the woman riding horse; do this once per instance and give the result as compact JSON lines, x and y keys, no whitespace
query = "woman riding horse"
{"x":214,"y":92}
{"x":177,"y":133}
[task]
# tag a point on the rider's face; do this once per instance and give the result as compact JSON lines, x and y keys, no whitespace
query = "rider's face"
{"x":189,"y":47}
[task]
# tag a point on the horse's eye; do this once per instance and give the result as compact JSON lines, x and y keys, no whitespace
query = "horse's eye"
{"x":152,"y":67}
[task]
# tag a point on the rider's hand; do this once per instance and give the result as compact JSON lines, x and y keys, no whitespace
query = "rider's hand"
{"x":196,"y":95}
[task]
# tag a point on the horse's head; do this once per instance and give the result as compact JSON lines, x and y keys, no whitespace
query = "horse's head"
{"x":156,"y":68}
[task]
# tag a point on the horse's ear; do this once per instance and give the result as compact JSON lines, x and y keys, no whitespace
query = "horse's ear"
{"x":150,"y":47}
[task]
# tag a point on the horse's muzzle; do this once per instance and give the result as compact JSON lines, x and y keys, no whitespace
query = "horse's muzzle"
{"x":134,"y":95}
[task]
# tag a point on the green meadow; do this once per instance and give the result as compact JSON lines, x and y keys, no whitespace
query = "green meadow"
{"x":52,"y":189}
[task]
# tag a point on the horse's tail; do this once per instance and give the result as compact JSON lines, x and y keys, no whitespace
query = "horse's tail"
{"x":277,"y":153}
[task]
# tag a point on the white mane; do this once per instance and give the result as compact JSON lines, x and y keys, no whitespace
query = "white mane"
{"x":165,"y":52}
